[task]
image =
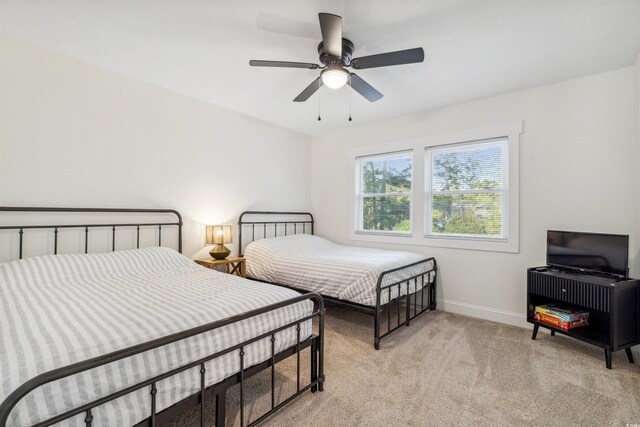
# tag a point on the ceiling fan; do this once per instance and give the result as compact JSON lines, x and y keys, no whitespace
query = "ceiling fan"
{"x":336,"y":54}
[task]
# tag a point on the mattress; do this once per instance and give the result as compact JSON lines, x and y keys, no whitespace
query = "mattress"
{"x":60,"y":309}
{"x":311,"y":263}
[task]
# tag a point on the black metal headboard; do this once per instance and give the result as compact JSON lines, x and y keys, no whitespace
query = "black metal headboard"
{"x":286,"y":222}
{"x":86,"y":227}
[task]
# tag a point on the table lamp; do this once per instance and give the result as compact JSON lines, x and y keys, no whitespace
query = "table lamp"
{"x":218,"y":235}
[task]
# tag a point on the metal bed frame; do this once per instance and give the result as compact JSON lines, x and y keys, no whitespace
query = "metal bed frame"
{"x":421,"y":282}
{"x":215,"y":391}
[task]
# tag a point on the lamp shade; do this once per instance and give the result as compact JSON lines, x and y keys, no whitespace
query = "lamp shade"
{"x":334,"y":77}
{"x":219,"y":234}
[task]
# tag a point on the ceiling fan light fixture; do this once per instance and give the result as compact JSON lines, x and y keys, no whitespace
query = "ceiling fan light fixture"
{"x":335,"y":77}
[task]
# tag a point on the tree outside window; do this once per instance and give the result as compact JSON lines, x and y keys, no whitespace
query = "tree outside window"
{"x":384,"y":192}
{"x":466,"y":189}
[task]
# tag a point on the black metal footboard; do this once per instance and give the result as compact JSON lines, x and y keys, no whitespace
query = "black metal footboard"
{"x":414,"y":288}
{"x":315,"y":342}
{"x":419,"y":288}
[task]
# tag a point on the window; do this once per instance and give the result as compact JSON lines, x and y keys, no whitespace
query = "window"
{"x":384,"y":193}
{"x":467,"y":190}
{"x":466,"y":195}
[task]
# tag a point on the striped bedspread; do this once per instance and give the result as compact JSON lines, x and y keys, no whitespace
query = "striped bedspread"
{"x":62,"y":309}
{"x":315,"y":264}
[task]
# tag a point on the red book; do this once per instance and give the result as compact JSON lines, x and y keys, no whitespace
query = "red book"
{"x":558,"y":322}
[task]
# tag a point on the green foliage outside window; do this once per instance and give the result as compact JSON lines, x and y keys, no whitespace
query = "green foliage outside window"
{"x":455,"y":207}
{"x":386,"y":205}
{"x":467,"y":214}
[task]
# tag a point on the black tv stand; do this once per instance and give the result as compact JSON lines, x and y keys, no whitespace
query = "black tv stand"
{"x":613,"y":305}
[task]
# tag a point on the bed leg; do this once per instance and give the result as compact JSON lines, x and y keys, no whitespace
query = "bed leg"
{"x":314,"y":364}
{"x":320,"y":344}
{"x":434,"y":304}
{"x":221,"y":408}
{"x":376,"y":320}
{"x":408,"y":312}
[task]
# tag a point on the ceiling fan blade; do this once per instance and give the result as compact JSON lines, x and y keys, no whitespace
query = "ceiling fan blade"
{"x":309,"y":90}
{"x":283,"y":64}
{"x":364,"y":88}
{"x":398,"y":57}
{"x":331,"y":27}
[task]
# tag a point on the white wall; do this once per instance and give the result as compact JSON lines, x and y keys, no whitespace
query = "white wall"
{"x":76,"y":135}
{"x":578,"y":163}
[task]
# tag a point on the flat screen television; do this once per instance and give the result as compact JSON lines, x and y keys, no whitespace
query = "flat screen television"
{"x":589,"y":252}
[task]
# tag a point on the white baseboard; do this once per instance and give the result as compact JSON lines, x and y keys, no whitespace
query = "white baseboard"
{"x":500,"y":316}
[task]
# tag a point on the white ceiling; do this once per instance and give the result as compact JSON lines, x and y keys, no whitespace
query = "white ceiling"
{"x":473,"y":49}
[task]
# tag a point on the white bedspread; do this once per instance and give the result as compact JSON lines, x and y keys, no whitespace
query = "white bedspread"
{"x":315,"y":264}
{"x":57,"y":310}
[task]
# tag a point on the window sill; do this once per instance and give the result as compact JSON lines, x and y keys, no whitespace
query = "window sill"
{"x":472,"y":238}
{"x":472,"y":243}
{"x":384,"y":233}
{"x":488,"y":245}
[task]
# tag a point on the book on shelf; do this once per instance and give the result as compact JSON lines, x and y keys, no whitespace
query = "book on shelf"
{"x":561,"y":317}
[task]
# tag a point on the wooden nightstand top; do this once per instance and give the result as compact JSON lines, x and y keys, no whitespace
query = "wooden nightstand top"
{"x":213,"y":261}
{"x":234,"y":265}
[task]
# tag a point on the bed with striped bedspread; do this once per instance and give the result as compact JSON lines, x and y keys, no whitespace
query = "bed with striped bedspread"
{"x":60,"y":309}
{"x":314,"y":264}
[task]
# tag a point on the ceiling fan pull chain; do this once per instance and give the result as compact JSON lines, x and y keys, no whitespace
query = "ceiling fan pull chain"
{"x":319,"y":98}
{"x":349,"y":90}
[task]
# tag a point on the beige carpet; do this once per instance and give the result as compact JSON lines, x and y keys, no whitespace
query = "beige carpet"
{"x":447,"y":369}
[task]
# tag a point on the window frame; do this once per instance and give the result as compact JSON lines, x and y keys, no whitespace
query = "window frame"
{"x":360,"y":195}
{"x":503,"y":141}
{"x":511,"y":130}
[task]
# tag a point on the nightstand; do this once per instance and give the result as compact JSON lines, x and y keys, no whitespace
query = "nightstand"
{"x":233,"y":265}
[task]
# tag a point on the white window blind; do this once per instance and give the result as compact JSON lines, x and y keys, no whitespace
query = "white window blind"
{"x":466,"y":190}
{"x":384,"y":193}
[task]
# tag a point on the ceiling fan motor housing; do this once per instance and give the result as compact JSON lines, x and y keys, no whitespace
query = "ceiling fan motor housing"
{"x":347,"y":53}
